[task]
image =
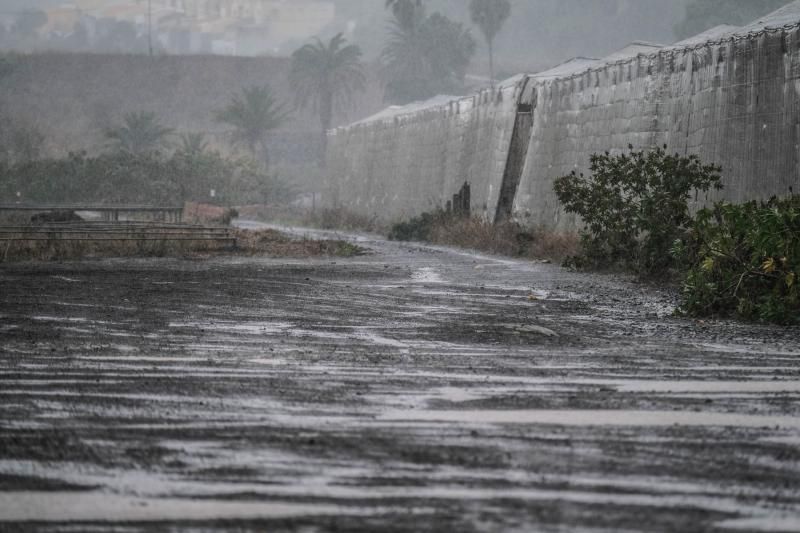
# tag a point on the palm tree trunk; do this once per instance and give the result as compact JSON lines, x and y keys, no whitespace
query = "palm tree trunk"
{"x":326,"y":119}
{"x":260,"y":153}
{"x":491,"y":60}
{"x":265,"y":155}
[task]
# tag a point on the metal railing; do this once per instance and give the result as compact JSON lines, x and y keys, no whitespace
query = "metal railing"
{"x":114,"y":231}
{"x":109,"y":212}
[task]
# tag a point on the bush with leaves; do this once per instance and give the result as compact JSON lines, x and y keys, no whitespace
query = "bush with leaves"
{"x":418,"y":228}
{"x":744,"y":261}
{"x":189,"y":174}
{"x":634,"y":207}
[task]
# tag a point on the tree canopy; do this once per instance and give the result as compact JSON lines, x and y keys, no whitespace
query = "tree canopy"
{"x":253,"y":114}
{"x":425,"y":55}
{"x":489,"y":16}
{"x":326,"y":76}
{"x":140,"y":132}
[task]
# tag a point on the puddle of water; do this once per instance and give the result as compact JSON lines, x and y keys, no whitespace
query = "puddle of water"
{"x":100,"y":507}
{"x":530,"y":328}
{"x":51,"y":382}
{"x":792,"y":440}
{"x":72,"y":304}
{"x":621,"y":385}
{"x":60,"y":319}
{"x":426,"y":275}
{"x":591,"y":418}
{"x":707,"y":386}
{"x":255,"y":328}
{"x":285,"y":328}
{"x":455,"y":394}
{"x":743,"y":349}
{"x":96,"y":507}
{"x":373,"y":338}
{"x":778,"y":524}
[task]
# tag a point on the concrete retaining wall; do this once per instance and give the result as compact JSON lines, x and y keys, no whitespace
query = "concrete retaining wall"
{"x":401,"y":163}
{"x":730,"y":96}
{"x":735,"y":103}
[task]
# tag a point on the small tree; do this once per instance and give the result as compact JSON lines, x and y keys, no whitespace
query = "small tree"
{"x":635,"y":206}
{"x":253,"y":114}
{"x":140,"y":133}
{"x":489,"y":16}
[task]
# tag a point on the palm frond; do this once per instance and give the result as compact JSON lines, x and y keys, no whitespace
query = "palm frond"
{"x":252,"y":115}
{"x":140,"y":132}
{"x":324,"y":75}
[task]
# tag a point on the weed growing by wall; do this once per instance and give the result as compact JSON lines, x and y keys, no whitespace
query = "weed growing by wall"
{"x":477,"y":233}
{"x":744,"y":260}
{"x":634,"y":206}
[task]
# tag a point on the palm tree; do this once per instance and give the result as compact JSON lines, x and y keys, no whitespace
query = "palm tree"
{"x":489,"y":16}
{"x":139,"y":133}
{"x":404,"y":10}
{"x":393,"y":4}
{"x":425,"y":55}
{"x":326,"y":76}
{"x":193,"y":144}
{"x":191,"y":166}
{"x":253,"y":114}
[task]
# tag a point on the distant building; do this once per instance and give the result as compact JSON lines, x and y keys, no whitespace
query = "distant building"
{"x":255,"y":26}
{"x":225,"y":27}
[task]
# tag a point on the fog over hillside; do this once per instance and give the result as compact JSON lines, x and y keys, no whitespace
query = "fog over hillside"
{"x":538,"y":34}
{"x":541,"y":32}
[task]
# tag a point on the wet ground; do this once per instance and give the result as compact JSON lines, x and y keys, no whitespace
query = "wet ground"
{"x":413,"y":389}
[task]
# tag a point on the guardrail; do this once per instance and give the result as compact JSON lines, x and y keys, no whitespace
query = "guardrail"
{"x":114,"y":231}
{"x":110,"y":212}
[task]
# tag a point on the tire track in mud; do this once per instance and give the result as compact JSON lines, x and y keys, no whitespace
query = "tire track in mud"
{"x":415,"y":389}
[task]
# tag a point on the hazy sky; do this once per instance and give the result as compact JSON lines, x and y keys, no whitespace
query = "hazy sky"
{"x":542,"y":32}
{"x":539,"y":33}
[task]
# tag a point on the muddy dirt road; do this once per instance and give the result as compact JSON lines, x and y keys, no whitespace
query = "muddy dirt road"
{"x":413,"y":389}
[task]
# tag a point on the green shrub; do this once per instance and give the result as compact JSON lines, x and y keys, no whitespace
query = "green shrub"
{"x":744,"y":260}
{"x":634,"y":206}
{"x":150,"y":178}
{"x":418,"y":228}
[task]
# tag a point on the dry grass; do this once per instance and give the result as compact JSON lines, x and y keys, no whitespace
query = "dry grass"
{"x":60,"y":250}
{"x":277,"y":244}
{"x":322,"y":218}
{"x":344,"y":220}
{"x":509,"y":238}
{"x":197,"y":213}
{"x":14,"y":218}
{"x":242,"y":242}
